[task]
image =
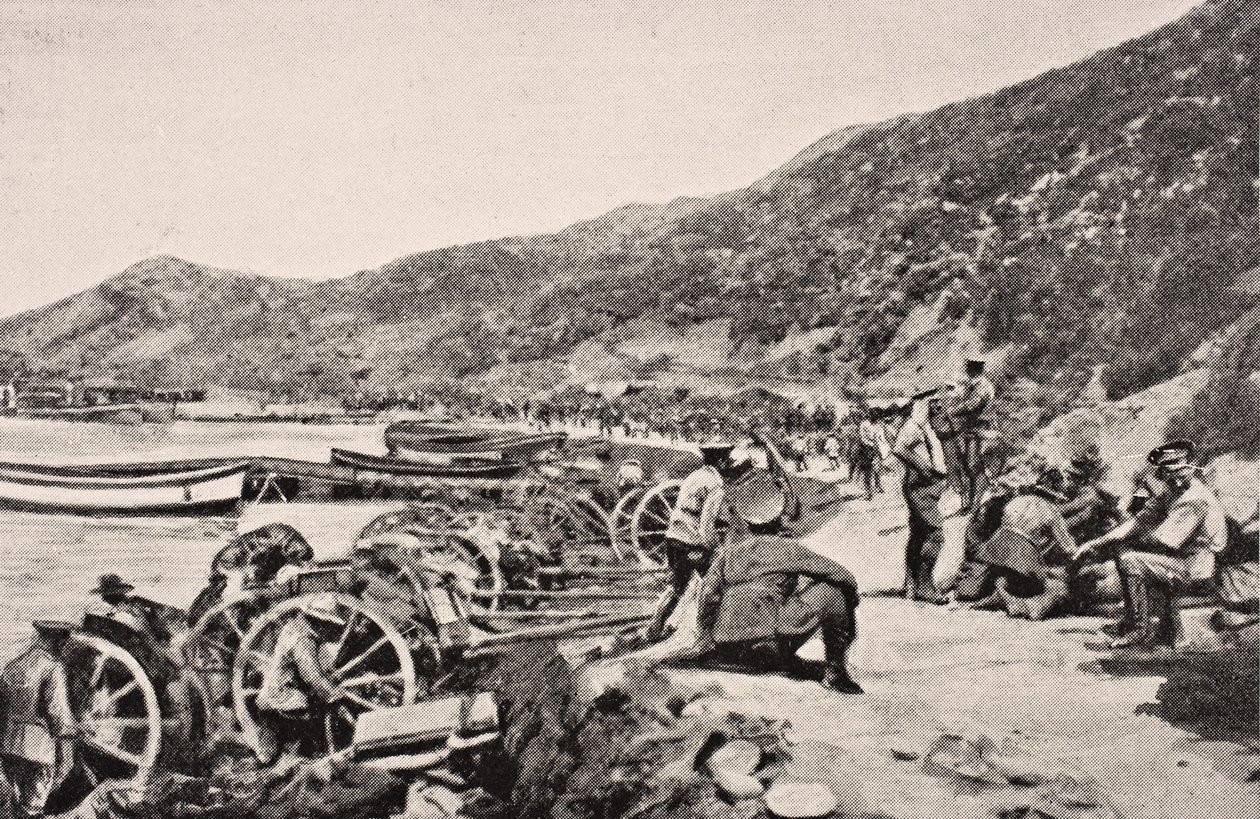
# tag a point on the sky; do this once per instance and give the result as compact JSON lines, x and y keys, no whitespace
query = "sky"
{"x":320,"y":138}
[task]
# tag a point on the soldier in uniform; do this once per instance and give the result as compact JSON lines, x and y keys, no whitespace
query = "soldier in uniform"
{"x":143,"y":616}
{"x":923,"y":458}
{"x":693,"y":531}
{"x":296,"y":690}
{"x":37,"y":742}
{"x":766,"y":594}
{"x":968,"y":408}
{"x":1168,"y":548}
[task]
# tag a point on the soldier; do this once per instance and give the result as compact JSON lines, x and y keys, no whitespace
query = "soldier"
{"x":920,"y":452}
{"x":1029,"y":547}
{"x":968,"y":407}
{"x":142,"y":616}
{"x":1168,"y":548}
{"x":37,"y":743}
{"x":296,"y":690}
{"x":766,"y":594}
{"x":693,"y":527}
{"x":872,"y":450}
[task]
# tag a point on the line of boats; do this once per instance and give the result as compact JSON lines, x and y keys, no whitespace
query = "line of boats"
{"x":214,"y":485}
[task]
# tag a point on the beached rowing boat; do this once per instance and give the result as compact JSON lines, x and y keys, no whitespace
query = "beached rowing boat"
{"x":124,"y":489}
{"x":401,"y":466}
{"x":406,"y":440}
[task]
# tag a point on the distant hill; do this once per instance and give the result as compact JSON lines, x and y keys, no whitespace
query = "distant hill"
{"x":1099,"y":219}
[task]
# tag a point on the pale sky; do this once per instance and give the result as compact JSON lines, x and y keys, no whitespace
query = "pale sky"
{"x":316,"y":138}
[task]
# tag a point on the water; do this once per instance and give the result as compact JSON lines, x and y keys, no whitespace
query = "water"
{"x":49,"y":563}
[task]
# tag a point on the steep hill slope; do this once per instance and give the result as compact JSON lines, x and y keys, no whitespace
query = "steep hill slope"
{"x":1101,"y":218}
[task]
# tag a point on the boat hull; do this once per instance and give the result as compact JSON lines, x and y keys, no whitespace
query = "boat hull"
{"x":399,"y":466}
{"x":406,"y":441}
{"x":161,"y":493}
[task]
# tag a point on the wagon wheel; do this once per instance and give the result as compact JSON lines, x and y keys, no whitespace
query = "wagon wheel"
{"x":569,"y":526}
{"x":371,"y":660}
{"x":620,"y":520}
{"x":114,"y":702}
{"x":209,"y":648}
{"x":431,"y":516}
{"x":651,"y":521}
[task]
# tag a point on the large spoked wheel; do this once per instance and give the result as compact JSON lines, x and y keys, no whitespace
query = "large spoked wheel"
{"x":424,"y":516}
{"x":570,"y":527}
{"x":620,"y":520}
{"x":371,"y":660}
{"x":114,"y":702}
{"x":466,"y":538}
{"x":651,"y":521}
{"x":210,"y":647}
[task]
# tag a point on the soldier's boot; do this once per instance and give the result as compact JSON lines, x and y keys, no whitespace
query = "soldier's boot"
{"x":1142,"y":634}
{"x":1125,"y":625}
{"x":836,"y":652}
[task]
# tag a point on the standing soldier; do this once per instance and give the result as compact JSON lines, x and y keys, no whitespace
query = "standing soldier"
{"x":920,"y":452}
{"x":967,"y":409}
{"x":872,"y":447}
{"x":831,"y":448}
{"x":1168,"y":548}
{"x":693,"y":531}
{"x":37,"y":743}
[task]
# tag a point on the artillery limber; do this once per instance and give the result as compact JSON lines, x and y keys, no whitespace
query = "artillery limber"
{"x":417,"y":599}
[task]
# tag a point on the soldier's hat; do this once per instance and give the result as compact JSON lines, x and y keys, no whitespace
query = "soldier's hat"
{"x":323,"y":607}
{"x":758,"y":500}
{"x":112,"y":584}
{"x":53,"y":628}
{"x":976,"y":361}
{"x":716,"y":449}
{"x":1173,"y":453}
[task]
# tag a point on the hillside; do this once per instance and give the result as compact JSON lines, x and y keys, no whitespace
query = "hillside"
{"x":1099,"y":219}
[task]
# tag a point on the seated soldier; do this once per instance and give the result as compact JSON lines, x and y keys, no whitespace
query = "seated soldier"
{"x":1168,"y":548}
{"x":1028,"y":549}
{"x":765,"y":595}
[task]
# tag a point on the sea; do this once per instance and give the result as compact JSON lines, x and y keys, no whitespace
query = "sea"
{"x":50,"y":563}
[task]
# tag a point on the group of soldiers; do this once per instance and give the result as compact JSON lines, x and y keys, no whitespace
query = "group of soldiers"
{"x":1039,"y":538}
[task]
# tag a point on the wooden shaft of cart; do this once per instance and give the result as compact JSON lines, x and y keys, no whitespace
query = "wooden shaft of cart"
{"x":489,"y":644}
{"x":565,"y":594}
{"x":601,"y":571}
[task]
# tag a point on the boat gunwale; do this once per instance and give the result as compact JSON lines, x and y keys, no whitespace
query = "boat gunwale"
{"x":152,"y":481}
{"x":367,"y":462}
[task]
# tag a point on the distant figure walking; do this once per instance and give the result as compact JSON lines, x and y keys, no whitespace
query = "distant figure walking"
{"x":872,"y":450}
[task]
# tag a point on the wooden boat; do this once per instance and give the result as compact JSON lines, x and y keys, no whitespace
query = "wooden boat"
{"x":400,"y":466}
{"x":135,"y":469}
{"x":124,"y":489}
{"x":404,"y":440}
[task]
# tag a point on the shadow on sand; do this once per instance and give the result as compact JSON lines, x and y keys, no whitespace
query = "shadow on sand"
{"x":1211,"y":693}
